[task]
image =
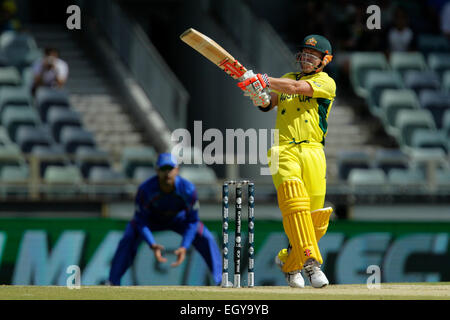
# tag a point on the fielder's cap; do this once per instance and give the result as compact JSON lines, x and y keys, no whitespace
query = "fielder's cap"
{"x":317,"y":42}
{"x":166,"y":159}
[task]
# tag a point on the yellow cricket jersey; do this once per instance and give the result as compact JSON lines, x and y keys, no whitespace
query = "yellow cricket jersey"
{"x":305,"y":118}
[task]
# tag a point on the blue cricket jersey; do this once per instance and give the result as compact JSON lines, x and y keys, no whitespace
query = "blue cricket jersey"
{"x":156,"y":210}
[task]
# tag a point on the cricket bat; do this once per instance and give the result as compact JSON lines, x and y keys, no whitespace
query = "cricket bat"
{"x":213,"y":52}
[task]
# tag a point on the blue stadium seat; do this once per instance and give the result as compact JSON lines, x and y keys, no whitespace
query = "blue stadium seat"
{"x":404,"y":178}
{"x":366,"y":181}
{"x":74,"y":137}
{"x":437,"y":102}
{"x":20,"y":48}
{"x":47,"y":97}
{"x":58,"y":118}
{"x":106,"y":182}
{"x":352,"y":159}
{"x":388,"y":159}
{"x":378,"y":81}
{"x":28,"y":137}
{"x":420,"y":80}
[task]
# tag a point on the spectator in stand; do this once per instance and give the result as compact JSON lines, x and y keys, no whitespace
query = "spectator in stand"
{"x":50,"y":71}
{"x":445,"y":20}
{"x":400,"y":34}
{"x":8,"y":22}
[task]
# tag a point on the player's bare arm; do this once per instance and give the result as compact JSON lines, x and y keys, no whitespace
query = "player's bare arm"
{"x":291,"y":86}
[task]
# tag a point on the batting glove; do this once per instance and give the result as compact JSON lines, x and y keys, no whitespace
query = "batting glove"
{"x":261,"y":99}
{"x":255,"y":85}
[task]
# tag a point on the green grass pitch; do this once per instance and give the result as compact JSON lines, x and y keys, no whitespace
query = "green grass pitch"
{"x":388,"y":291}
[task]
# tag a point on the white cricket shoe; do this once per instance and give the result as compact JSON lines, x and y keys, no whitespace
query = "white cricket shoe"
{"x":293,"y":278}
{"x":316,"y":277}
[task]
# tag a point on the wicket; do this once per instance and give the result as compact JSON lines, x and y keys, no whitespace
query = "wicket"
{"x":237,"y":238}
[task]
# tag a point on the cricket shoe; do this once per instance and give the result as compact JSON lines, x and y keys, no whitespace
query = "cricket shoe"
{"x":293,"y":278}
{"x":316,"y":277}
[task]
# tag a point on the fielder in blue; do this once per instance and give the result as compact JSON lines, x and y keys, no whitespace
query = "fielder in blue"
{"x":166,"y":202}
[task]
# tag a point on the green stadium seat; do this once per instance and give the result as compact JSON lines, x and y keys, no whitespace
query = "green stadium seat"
{"x":61,"y":181}
{"x":352,"y":159}
{"x":446,"y":81}
{"x":14,"y":96}
{"x":198,"y":174}
{"x":49,"y":156}
{"x":87,"y":157}
{"x":360,"y":64}
{"x":9,"y":76}
{"x":421,"y":158}
{"x":392,"y":101}
{"x":14,"y":181}
{"x":446,"y":125}
{"x":74,"y":137}
{"x":366,"y":181}
{"x":425,"y":138}
{"x":10,"y":155}
{"x":443,"y":179}
{"x":60,"y":117}
{"x":133,"y":157}
{"x":105,"y":181}
{"x":439,"y":62}
{"x":378,"y":81}
{"x":404,"y":61}
{"x":12,"y":118}
{"x":28,"y":137}
{"x":20,"y":48}
{"x":408,"y":121}
{"x":402,"y":179}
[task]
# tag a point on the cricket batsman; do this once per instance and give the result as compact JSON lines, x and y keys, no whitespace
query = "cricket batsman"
{"x":304,"y":101}
{"x":166,"y":202}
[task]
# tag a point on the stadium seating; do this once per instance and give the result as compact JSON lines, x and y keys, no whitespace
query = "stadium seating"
{"x":402,"y":179}
{"x":133,"y":157}
{"x":52,"y":155}
{"x":360,"y":64}
{"x":420,"y":80}
{"x":376,"y":82}
{"x":439,"y":62}
{"x":10,"y":155}
{"x":10,"y":76}
{"x":104,"y":181}
{"x":425,"y":138}
{"x":87,"y":157}
{"x":348,"y":160}
{"x":437,"y":102}
{"x":446,"y":125}
{"x":61,"y":181}
{"x":408,"y":121}
{"x":365,"y":181}
{"x":388,"y":159}
{"x":446,"y":81}
{"x":59,"y":118}
{"x":73,"y":137}
{"x":406,"y":61}
{"x":428,"y":43}
{"x":14,"y":96}
{"x":14,"y":181}
{"x":19,"y":48}
{"x":391,"y":101}
{"x":143,"y":173}
{"x":12,"y":118}
{"x":198,"y":174}
{"x":47,"y":97}
{"x":28,"y":137}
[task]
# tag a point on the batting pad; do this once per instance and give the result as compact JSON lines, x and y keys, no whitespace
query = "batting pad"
{"x":294,"y":204}
{"x":321,"y":219}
